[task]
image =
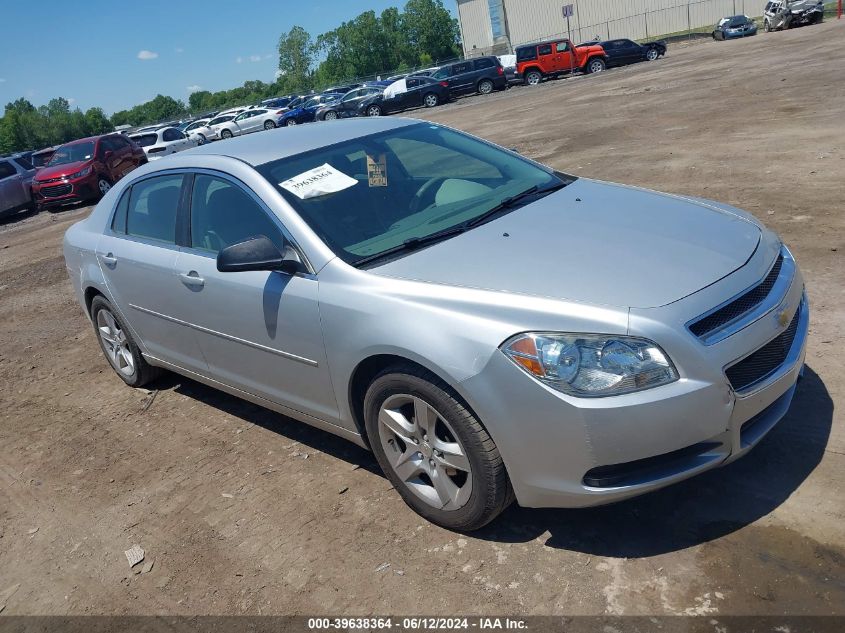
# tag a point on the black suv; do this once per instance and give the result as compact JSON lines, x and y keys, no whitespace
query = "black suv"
{"x":482,"y":75}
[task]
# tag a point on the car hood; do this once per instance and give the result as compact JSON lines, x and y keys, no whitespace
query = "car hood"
{"x":596,"y":243}
{"x":60,"y":171}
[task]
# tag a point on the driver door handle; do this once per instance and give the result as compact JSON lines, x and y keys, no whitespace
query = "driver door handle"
{"x":109,"y":259}
{"x":192,"y":279}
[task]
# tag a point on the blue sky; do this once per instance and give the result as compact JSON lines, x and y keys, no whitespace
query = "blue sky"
{"x":118,"y":53}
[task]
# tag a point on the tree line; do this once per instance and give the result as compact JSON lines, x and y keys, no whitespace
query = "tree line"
{"x":419,"y":35}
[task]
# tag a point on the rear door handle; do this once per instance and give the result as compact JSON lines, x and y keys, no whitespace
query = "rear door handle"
{"x":192,"y":279}
{"x":109,"y":260}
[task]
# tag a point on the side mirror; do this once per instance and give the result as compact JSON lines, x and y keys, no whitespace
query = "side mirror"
{"x":258,"y":253}
{"x":107,"y":154}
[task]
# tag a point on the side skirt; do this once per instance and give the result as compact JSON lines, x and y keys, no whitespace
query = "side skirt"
{"x":334,"y":429}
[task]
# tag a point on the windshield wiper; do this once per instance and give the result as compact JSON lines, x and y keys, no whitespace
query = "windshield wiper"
{"x":413,"y":243}
{"x":512,"y":201}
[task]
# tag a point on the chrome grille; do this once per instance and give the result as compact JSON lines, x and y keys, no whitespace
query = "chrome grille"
{"x":739,"y":306}
{"x":765,"y":361}
{"x":57,"y":191}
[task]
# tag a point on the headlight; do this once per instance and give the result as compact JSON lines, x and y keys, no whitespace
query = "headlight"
{"x":80,"y":174}
{"x":591,"y":365}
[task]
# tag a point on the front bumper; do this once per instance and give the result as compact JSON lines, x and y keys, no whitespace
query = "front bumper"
{"x":562,"y":451}
{"x":54,"y":194}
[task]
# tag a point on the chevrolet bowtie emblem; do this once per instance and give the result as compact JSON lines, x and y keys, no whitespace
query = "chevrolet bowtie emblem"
{"x":783,"y":318}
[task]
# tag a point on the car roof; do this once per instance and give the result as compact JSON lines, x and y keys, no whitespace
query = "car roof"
{"x":86,"y":139}
{"x":257,"y":149}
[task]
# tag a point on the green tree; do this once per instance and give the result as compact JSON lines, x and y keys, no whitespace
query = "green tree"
{"x":430,"y":29}
{"x":295,"y":59}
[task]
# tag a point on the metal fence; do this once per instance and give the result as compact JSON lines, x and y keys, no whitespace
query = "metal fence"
{"x":685,"y":19}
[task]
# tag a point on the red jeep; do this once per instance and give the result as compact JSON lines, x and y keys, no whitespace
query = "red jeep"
{"x":558,"y":57}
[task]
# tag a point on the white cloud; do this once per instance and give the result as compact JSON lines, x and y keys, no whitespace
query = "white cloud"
{"x":71,"y":100}
{"x":255,"y":58}
{"x":194,"y":88}
{"x":268,"y":56}
{"x":279,"y":73}
{"x":145,"y":54}
{"x":2,"y":79}
{"x":180,"y":50}
{"x":238,"y":60}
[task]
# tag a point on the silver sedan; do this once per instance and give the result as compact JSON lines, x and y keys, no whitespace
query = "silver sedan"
{"x":491,"y":328}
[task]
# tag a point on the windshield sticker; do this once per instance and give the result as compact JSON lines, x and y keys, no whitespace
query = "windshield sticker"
{"x":377,"y":170}
{"x":316,"y":182}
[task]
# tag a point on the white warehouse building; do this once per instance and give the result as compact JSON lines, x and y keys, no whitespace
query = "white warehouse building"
{"x":497,"y":26}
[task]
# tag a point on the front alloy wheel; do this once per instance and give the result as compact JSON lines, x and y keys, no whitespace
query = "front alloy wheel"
{"x":103,"y":185}
{"x":424,"y":452}
{"x":595,"y":66}
{"x":430,"y":100}
{"x":373,"y":110}
{"x":434,"y":451}
{"x":652,"y":54}
{"x":289,"y":122}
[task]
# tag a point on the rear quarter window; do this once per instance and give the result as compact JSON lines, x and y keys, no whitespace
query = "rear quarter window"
{"x":6,"y":169}
{"x":544,"y":49}
{"x":526,"y":54}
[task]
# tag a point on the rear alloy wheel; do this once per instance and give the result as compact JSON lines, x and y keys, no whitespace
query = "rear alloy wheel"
{"x":373,"y":110}
{"x":203,"y":140}
{"x":103,"y":185}
{"x":331,"y":115}
{"x":434,"y":451}
{"x":485,"y":87}
{"x":289,"y":122}
{"x":533,"y":77}
{"x":224,"y":134}
{"x":595,"y":65}
{"x":652,"y":54}
{"x":269,"y":125}
{"x":431,"y":100}
{"x":117,"y":345}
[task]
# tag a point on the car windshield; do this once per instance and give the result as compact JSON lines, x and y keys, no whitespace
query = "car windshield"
{"x":73,"y":153}
{"x":376,"y":193}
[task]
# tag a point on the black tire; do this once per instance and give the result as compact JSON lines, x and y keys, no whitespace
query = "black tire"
{"x":533,"y":77}
{"x":269,"y":125}
{"x":652,"y":55}
{"x":485,"y":87}
{"x":224,"y":134}
{"x":289,"y":122}
{"x":431,"y":100}
{"x":491,"y":490}
{"x":595,"y":65}
{"x":144,"y":372}
{"x":102,"y":181}
{"x":203,"y":140}
{"x":373,"y":109}
{"x":331,"y":115}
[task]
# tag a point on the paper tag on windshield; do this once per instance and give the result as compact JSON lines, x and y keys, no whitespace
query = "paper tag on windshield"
{"x":377,"y":170}
{"x":316,"y":182}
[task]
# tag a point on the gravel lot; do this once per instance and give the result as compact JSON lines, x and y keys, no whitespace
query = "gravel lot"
{"x":246,"y":512}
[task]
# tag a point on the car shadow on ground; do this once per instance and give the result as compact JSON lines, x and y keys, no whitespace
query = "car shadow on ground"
{"x":314,"y":438}
{"x":18,"y":216}
{"x":692,"y":512}
{"x":701,"y":509}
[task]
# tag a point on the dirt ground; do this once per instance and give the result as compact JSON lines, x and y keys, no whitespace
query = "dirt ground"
{"x":243,"y":511}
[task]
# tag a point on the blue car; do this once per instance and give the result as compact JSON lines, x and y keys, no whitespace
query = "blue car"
{"x":304,"y":111}
{"x":734,"y":26}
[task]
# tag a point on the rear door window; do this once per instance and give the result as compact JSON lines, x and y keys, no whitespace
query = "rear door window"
{"x":544,"y":49}
{"x":152,"y":208}
{"x":6,"y":169}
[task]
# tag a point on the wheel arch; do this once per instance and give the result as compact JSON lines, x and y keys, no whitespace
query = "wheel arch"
{"x":368,"y":368}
